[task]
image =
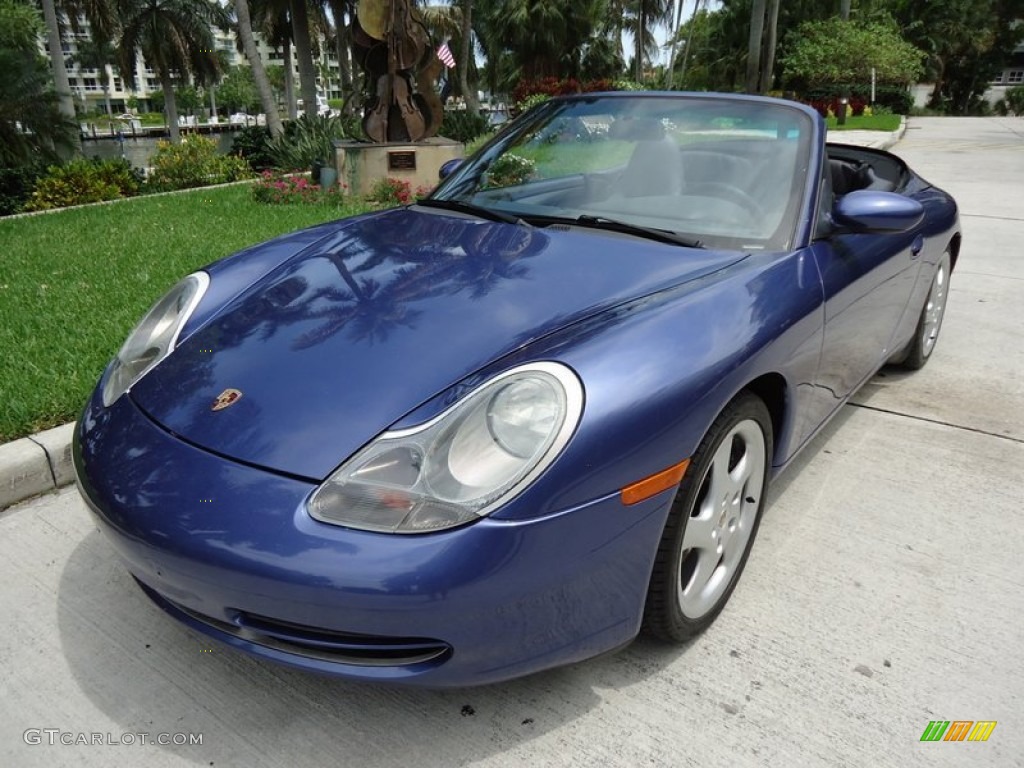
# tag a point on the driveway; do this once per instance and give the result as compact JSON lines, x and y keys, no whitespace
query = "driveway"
{"x":886,"y":590}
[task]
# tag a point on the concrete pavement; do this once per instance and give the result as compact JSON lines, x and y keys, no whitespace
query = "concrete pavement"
{"x":886,"y":590}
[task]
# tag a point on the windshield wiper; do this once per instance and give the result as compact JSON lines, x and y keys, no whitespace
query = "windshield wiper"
{"x":471,"y":208}
{"x":614,"y":225}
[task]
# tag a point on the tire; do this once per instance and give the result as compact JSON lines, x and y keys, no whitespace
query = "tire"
{"x":919,"y":350}
{"x":706,"y":543}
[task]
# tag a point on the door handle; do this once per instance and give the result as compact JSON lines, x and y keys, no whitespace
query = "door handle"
{"x":916,"y":246}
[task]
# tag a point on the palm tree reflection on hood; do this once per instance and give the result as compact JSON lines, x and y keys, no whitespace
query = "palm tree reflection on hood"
{"x":418,"y":258}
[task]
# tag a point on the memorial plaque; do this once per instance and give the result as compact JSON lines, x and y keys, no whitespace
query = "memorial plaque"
{"x":402,"y":161}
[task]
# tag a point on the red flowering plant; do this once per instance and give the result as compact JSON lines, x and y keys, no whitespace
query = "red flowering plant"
{"x":389,"y":192}
{"x":277,"y":188}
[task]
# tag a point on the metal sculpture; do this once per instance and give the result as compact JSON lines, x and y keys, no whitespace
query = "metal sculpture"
{"x":392,"y":46}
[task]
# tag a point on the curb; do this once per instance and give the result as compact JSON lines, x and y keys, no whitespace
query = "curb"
{"x":896,"y":135}
{"x":36,"y":464}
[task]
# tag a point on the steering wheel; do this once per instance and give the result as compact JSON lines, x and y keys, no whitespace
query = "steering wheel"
{"x":728,"y":192}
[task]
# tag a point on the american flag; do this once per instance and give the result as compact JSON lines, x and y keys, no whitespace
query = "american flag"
{"x":444,"y":53}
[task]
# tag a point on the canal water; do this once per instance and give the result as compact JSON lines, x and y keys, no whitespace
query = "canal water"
{"x":138,"y":151}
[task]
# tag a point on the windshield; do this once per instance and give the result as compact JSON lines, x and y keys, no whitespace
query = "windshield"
{"x":723,"y":171}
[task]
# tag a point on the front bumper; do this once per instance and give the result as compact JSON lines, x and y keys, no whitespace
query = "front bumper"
{"x":230,"y":550}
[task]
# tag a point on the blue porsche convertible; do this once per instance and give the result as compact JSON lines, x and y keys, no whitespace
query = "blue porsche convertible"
{"x":512,"y":425}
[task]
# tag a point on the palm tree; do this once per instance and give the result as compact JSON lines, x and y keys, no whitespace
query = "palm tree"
{"x":272,"y":19}
{"x":771,"y":40}
{"x":754,"y":45}
{"x":65,"y":100}
{"x":645,"y":16}
{"x":175,"y":38}
{"x":259,"y":73}
{"x":469,"y":94}
{"x":304,"y":55}
{"x":538,"y":38}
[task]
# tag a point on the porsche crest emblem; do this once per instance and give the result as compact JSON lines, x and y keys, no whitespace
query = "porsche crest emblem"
{"x":226,"y":398}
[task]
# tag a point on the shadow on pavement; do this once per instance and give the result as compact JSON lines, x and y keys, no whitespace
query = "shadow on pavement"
{"x":150,"y":674}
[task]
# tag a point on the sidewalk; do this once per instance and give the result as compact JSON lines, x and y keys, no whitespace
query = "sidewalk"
{"x":42,"y":462}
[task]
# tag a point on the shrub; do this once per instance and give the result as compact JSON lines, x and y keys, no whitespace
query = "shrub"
{"x":253,"y":144}
{"x":895,"y":98}
{"x":527,"y":92}
{"x":390,"y":192}
{"x":280,"y":189}
{"x":1015,"y":99}
{"x":16,"y":185}
{"x":463,"y":125}
{"x":193,"y":163}
{"x":830,"y":108}
{"x":509,"y":170}
{"x":306,"y":141}
{"x":478,"y":142}
{"x":120,"y":173}
{"x":84,"y":181}
{"x":530,"y":102}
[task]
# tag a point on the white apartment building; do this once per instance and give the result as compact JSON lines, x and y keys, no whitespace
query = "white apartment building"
{"x":87,"y":85}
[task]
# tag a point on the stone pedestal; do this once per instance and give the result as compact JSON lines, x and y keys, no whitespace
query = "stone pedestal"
{"x":360,"y":165}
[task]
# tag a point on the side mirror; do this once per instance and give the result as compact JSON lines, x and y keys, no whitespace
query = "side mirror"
{"x":872,"y":211}
{"x":448,"y":168}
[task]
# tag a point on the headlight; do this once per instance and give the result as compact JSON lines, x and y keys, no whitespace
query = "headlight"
{"x":462,"y":464}
{"x":155,"y":335}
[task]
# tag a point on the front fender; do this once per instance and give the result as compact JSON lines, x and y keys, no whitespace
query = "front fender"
{"x":657,"y":372}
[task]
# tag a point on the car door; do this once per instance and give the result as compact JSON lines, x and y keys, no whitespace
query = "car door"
{"x":867,"y":281}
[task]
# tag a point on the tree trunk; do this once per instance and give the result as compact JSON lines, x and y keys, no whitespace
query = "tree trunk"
{"x":106,"y":89}
{"x":677,"y":16}
{"x":259,"y":73}
{"x":66,"y":101}
{"x":689,"y":39}
{"x":170,"y":105}
{"x":638,"y":44}
{"x":304,"y":55}
{"x":469,"y":94}
{"x":289,"y":81}
{"x":754,"y":45}
{"x":341,"y":47}
{"x":844,"y":10}
{"x":771,"y":38}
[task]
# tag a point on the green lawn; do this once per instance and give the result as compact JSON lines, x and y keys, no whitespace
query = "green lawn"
{"x":871,"y":123}
{"x":74,"y":282}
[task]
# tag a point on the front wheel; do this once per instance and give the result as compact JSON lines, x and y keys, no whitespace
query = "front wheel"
{"x":713,"y":521}
{"x":929,"y":323}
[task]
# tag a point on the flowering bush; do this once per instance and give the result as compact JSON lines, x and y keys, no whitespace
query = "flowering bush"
{"x":391,"y":192}
{"x":276,"y":188}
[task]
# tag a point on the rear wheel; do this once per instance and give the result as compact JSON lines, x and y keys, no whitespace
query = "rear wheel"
{"x":713,"y":522}
{"x":928,"y":325}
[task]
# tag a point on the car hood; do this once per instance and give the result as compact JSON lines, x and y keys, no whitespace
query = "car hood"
{"x":383,"y":313}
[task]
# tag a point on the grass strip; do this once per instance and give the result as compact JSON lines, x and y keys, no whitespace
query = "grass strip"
{"x":73,"y":283}
{"x":866,"y":123}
